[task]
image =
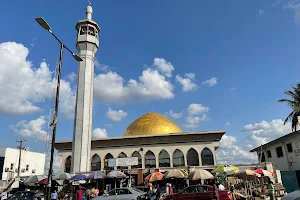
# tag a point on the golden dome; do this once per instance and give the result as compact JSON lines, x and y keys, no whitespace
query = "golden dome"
{"x":152,"y":124}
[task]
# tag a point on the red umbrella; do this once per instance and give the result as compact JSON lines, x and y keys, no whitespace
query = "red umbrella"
{"x":264,"y":172}
{"x":43,"y":181}
{"x":155,"y":176}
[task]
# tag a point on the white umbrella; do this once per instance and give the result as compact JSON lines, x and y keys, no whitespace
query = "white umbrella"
{"x":63,"y":176}
{"x":32,"y":180}
{"x":200,"y":174}
{"x":176,"y":173}
{"x":292,"y":196}
{"x":116,"y":174}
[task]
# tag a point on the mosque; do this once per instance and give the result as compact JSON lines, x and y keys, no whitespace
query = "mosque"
{"x":156,"y":141}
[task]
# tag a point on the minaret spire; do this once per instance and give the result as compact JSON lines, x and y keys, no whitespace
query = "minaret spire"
{"x":89,"y":12}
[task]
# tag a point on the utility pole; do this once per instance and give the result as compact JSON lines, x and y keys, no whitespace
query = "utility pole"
{"x":20,"y":147}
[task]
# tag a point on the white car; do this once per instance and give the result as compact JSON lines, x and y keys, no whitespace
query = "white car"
{"x":122,"y":194}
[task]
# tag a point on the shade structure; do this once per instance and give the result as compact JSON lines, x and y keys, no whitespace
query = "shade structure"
{"x":155,"y":176}
{"x":264,"y":172}
{"x":78,"y":177}
{"x":200,"y":174}
{"x":176,"y":173}
{"x":45,"y":182}
{"x":226,"y":168}
{"x":116,"y":174}
{"x":96,"y":175}
{"x":62,"y":176}
{"x":32,"y":180}
{"x":245,"y":172}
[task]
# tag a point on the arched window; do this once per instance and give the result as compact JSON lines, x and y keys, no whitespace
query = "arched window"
{"x":150,"y":161}
{"x":178,"y":158}
{"x":68,"y":164}
{"x":192,"y":158}
{"x":122,"y":155}
{"x":164,"y":159}
{"x":107,"y":157}
{"x":137,"y":154}
{"x":96,"y":163}
{"x":207,"y":157}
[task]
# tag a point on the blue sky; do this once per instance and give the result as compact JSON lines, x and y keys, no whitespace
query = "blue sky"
{"x":246,"y":51}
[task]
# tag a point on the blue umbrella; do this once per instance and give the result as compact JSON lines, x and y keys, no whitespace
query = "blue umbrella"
{"x":78,"y":177}
{"x":96,"y":175}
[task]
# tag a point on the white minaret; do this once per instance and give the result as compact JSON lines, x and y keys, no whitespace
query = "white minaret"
{"x":87,"y":44}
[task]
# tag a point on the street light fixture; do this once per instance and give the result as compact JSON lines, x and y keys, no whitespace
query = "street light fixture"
{"x":46,"y":26}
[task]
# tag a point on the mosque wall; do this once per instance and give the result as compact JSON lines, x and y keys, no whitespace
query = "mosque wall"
{"x":156,"y":149}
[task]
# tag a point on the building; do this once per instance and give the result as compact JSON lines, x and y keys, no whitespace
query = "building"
{"x":284,"y":152}
{"x":156,"y":142}
{"x":31,"y":163}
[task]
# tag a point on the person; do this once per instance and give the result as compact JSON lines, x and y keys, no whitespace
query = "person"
{"x":3,"y":195}
{"x":37,"y":195}
{"x":79,"y":193}
{"x":54,"y":195}
{"x":150,"y":193}
{"x":157,"y":192}
{"x":96,"y":192}
{"x":87,"y":194}
{"x":271,"y":190}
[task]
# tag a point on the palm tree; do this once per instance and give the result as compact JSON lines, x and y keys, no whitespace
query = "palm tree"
{"x":294,"y":103}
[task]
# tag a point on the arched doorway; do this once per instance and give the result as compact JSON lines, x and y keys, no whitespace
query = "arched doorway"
{"x":122,"y":155}
{"x":150,"y":161}
{"x":107,"y":157}
{"x":207,"y":157}
{"x":178,"y":158}
{"x":137,"y":154}
{"x":68,"y":164}
{"x":164,"y":159}
{"x":96,"y":163}
{"x":192,"y":157}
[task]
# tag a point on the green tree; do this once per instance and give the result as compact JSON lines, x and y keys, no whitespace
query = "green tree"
{"x":294,"y":103}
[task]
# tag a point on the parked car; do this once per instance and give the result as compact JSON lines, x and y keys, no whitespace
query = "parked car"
{"x":22,"y":195}
{"x":143,"y":188}
{"x":122,"y":194}
{"x":203,"y":192}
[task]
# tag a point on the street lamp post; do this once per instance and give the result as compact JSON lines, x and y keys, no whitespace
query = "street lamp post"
{"x":46,"y":26}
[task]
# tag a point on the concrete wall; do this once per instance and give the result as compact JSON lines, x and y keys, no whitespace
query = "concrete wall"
{"x":35,"y":161}
{"x":170,"y":148}
{"x":290,"y":160}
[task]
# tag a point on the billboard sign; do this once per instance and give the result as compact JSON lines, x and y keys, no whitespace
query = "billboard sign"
{"x":123,"y":162}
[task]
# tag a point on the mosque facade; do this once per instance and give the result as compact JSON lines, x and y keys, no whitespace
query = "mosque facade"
{"x":156,"y":141}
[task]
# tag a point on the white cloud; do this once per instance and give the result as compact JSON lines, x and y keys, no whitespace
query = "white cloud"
{"x":227,"y":123}
{"x":211,"y":82}
{"x":72,"y":76}
{"x":32,"y":129}
{"x":57,"y":162}
{"x":101,"y":67}
{"x":295,"y":7}
{"x":187,"y":82}
{"x":229,"y":152}
{"x":99,"y":133}
{"x":151,"y":86}
{"x":115,"y":115}
{"x":196,"y":109}
{"x":175,"y":115}
{"x":163,"y":66}
{"x":24,"y":85}
{"x":261,"y":11}
{"x":194,"y":121}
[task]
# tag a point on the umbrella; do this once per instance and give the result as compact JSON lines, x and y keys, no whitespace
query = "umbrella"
{"x":292,"y":196}
{"x":63,"y":176}
{"x":226,"y":168}
{"x":31,"y":180}
{"x":200,"y":174}
{"x":245,"y":171}
{"x":116,"y":174}
{"x":176,"y":173}
{"x":96,"y":175}
{"x":78,"y":177}
{"x":264,"y":172}
{"x":155,"y":176}
{"x":45,"y":182}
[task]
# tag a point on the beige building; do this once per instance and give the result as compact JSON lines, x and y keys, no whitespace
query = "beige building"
{"x":157,"y":142}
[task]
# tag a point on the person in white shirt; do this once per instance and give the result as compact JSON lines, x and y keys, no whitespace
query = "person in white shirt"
{"x":3,"y":195}
{"x":221,"y":187}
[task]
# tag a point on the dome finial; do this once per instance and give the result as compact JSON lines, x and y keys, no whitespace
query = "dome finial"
{"x":89,"y":11}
